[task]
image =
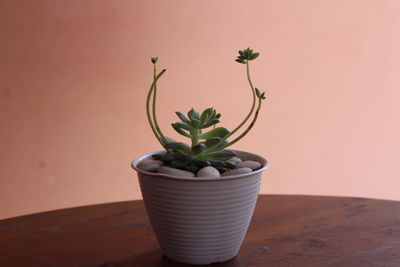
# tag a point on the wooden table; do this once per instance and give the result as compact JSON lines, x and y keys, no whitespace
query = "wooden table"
{"x":285,"y":231}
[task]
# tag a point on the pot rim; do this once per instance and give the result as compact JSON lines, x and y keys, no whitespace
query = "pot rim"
{"x":263,"y":162}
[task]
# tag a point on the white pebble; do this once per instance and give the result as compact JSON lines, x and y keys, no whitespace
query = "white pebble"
{"x":174,"y":172}
{"x":234,"y":160}
{"x":237,"y":171}
{"x":254,"y":165}
{"x":208,"y":171}
{"x":149,"y":165}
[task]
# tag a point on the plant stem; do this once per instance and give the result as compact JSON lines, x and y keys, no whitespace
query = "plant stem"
{"x":252,"y":106}
{"x":154,"y":108}
{"x":148,"y":107}
{"x":244,"y":121}
{"x":248,"y":128}
{"x":195,"y":136}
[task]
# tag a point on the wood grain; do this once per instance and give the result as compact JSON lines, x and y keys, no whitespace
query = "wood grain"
{"x":285,"y":231}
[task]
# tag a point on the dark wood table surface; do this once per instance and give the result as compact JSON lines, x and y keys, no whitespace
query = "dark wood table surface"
{"x":285,"y":231}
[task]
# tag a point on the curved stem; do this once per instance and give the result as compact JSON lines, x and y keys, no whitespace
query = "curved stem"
{"x":247,"y":130}
{"x":244,"y":121}
{"x":252,"y":106}
{"x":148,"y":107}
{"x":154,"y":108}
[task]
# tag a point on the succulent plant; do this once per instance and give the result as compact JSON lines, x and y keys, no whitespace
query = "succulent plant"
{"x":208,"y":146}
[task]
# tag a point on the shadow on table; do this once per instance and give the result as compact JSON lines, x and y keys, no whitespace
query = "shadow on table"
{"x":156,"y":259}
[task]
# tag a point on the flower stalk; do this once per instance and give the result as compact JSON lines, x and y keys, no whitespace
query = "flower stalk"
{"x":155,"y":128}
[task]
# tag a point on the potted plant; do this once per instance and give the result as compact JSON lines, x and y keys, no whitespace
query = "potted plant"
{"x":200,"y":197}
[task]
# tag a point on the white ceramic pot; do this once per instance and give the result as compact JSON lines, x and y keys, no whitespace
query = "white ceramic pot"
{"x":200,"y":220}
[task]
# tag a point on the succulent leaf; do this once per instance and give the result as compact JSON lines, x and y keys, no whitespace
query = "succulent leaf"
{"x":198,"y":148}
{"x":205,"y":119}
{"x":154,"y":60}
{"x":201,"y":163}
{"x":193,"y":114}
{"x":217,"y":163}
{"x":220,"y":132}
{"x":179,"y":146}
{"x":169,"y":139}
{"x":258,"y":93}
{"x":221,"y":155}
{"x":179,"y":163}
{"x":179,"y":130}
{"x":222,"y":144}
{"x":191,"y":168}
{"x":166,"y":157}
{"x":184,"y":126}
{"x":209,"y":123}
{"x":182,"y":117}
{"x":254,"y":56}
{"x":240,"y":60}
{"x":207,"y":113}
{"x":221,"y":163}
{"x":172,"y":156}
{"x":196,"y":123}
{"x":222,"y":169}
{"x":229,"y":165}
{"x":213,"y":141}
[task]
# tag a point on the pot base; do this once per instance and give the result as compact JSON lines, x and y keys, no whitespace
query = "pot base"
{"x":207,"y":262}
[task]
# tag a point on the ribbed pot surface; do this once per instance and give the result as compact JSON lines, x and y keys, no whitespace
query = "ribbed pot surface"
{"x":200,"y":220}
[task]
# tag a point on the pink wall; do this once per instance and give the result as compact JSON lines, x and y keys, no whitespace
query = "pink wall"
{"x":74,"y":74}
